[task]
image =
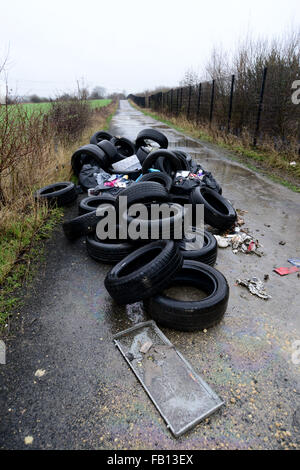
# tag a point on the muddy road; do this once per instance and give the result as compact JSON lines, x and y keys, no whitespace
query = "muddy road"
{"x":87,"y":398}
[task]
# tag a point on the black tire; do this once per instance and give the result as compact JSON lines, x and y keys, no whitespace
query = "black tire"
{"x":182,"y":154}
{"x":124,"y":146}
{"x":218,"y":212}
{"x":207,"y":254}
{"x":81,"y":225}
{"x":109,"y":149}
{"x":144,"y":272}
{"x":148,"y":191}
{"x":142,"y":153}
{"x":100,"y":135}
{"x":107,"y":251}
{"x":90,"y":204}
{"x":184,"y":157}
{"x":174,"y":163}
{"x":161,"y":228}
{"x":158,"y":177}
{"x":89,"y":153}
{"x":192,"y":315}
{"x":61,"y":193}
{"x":181,"y":199}
{"x":151,"y":134}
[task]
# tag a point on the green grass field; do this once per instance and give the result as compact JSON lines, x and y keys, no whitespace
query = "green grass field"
{"x":31,"y":107}
{"x":99,"y":103}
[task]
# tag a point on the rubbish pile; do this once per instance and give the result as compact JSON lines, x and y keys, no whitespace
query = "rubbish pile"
{"x":110,"y":167}
{"x":240,"y":242}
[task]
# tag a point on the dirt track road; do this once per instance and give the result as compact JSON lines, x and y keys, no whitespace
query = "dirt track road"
{"x":88,"y":399}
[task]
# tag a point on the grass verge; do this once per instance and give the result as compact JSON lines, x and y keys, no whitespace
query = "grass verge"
{"x":25,"y":225}
{"x":273,"y":164}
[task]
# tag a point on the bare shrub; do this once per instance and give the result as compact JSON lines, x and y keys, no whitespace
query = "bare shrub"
{"x":70,"y":118}
{"x":25,"y":138}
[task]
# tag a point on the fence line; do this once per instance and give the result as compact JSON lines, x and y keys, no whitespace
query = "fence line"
{"x":260,"y":105}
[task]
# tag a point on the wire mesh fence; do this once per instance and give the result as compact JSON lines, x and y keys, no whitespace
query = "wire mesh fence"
{"x":259,"y":104}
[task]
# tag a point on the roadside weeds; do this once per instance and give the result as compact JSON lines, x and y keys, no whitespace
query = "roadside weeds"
{"x":24,"y":224}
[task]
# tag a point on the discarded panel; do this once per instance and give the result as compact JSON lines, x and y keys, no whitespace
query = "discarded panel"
{"x":180,"y":395}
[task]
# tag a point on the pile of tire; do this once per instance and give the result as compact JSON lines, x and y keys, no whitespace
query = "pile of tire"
{"x":143,"y":269}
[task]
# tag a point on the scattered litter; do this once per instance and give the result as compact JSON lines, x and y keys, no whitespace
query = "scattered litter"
{"x":222,"y":241}
{"x":146,"y":346}
{"x":127,"y":164}
{"x":284,"y":271}
{"x":282,"y":242}
{"x":180,"y":395}
{"x":266,"y":277}
{"x":255,"y":286}
{"x":294,"y":261}
{"x":40,"y":373}
{"x":183,"y":173}
{"x":293,"y":163}
{"x":240,"y":242}
{"x":28,"y":440}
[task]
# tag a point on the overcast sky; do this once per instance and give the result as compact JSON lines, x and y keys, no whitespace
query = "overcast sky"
{"x":130,"y":44}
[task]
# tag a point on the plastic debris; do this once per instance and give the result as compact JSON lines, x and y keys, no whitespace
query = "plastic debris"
{"x":127,"y":164}
{"x":293,"y":163}
{"x":255,"y":286}
{"x":240,"y":242}
{"x":294,"y":261}
{"x":28,"y":440}
{"x":284,"y":271}
{"x":223,"y":242}
{"x":40,"y":373}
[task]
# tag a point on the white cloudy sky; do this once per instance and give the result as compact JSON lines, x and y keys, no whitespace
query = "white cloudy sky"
{"x":129,"y":44}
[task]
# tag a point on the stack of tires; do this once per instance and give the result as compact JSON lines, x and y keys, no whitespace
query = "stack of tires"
{"x":144,"y":268}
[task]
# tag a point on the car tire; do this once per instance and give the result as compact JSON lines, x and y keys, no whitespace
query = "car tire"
{"x":218,"y":212}
{"x":158,"y":177}
{"x":158,"y":229}
{"x":148,"y":191}
{"x":90,"y":204}
{"x":61,"y":193}
{"x":170,"y":163}
{"x":144,"y":272}
{"x":106,"y":251}
{"x":124,"y":146}
{"x":100,"y":135}
{"x":81,"y":225}
{"x":207,"y":254}
{"x":192,"y":315}
{"x":109,"y":149}
{"x":89,"y":153}
{"x":142,"y":153}
{"x":151,"y":134}
{"x":181,"y":199}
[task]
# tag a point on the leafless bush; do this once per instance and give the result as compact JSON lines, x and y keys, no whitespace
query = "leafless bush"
{"x":70,"y":118}
{"x":24,"y":138}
